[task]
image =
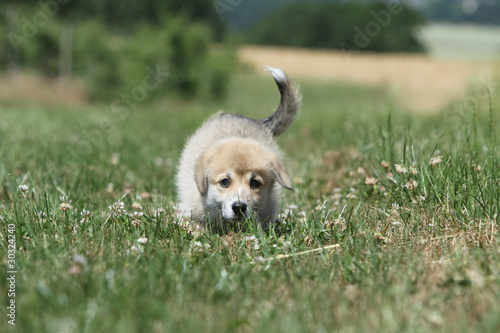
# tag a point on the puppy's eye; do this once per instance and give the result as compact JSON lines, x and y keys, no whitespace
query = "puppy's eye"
{"x":225,"y":182}
{"x":254,"y":183}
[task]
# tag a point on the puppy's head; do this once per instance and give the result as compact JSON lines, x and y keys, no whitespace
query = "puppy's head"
{"x":237,"y":177}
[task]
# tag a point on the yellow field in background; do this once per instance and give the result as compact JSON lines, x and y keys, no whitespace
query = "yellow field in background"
{"x":417,"y":82}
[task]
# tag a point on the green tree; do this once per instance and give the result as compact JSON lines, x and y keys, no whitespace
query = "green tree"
{"x":370,"y":26}
{"x":112,"y":43}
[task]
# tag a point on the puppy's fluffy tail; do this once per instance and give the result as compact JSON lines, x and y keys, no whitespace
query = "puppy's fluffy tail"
{"x":289,"y":104}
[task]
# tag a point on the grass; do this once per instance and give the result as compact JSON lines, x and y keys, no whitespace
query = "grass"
{"x":346,"y":256}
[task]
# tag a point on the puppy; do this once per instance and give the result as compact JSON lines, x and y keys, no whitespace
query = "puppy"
{"x":231,"y":169}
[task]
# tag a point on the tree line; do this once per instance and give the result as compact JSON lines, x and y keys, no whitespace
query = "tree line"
{"x":368,"y":26}
{"x":110,"y":44}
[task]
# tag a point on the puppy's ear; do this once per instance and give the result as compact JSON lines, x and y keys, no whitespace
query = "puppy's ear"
{"x":201,"y":172}
{"x":282,"y":175}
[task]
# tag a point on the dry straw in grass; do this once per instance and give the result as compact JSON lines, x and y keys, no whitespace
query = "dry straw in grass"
{"x":285,"y":256}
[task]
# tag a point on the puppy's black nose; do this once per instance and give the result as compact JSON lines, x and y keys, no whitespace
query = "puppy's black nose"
{"x":239,"y":208}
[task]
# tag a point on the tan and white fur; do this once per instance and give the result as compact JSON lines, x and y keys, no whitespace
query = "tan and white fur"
{"x":231,"y":169}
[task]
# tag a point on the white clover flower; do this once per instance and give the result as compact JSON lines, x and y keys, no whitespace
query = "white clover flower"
{"x":117,"y":206}
{"x":135,"y":249}
{"x":286,"y":212}
{"x":400,"y":168}
{"x":117,"y":209}
{"x":137,"y":215}
{"x":200,"y":246}
{"x":158,"y":212}
{"x":412,"y":185}
{"x":254,"y":240}
{"x":79,"y":259}
{"x":110,"y":187}
{"x":137,"y":205}
{"x":65,"y":206}
{"x":142,"y":240}
{"x":351,"y":196}
{"x":85,"y":216}
{"x":435,"y":160}
{"x":42,"y":216}
{"x":260,"y":259}
{"x":115,"y":159}
{"x":371,"y":181}
{"x":23,"y":188}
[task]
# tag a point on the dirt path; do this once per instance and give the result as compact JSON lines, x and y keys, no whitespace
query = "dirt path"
{"x":418,"y":82}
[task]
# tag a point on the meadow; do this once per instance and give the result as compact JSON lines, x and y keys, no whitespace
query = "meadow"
{"x":392,"y":225}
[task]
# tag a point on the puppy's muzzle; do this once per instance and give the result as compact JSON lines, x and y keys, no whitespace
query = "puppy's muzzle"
{"x":239,"y":209}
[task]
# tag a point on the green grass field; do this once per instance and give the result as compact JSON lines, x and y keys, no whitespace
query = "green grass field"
{"x":87,"y":198}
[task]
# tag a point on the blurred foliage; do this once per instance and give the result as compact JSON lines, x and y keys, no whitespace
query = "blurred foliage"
{"x":174,"y":48}
{"x":124,"y":15}
{"x":4,"y":49}
{"x":175,"y":58}
{"x":97,"y":59}
{"x":370,"y":26}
